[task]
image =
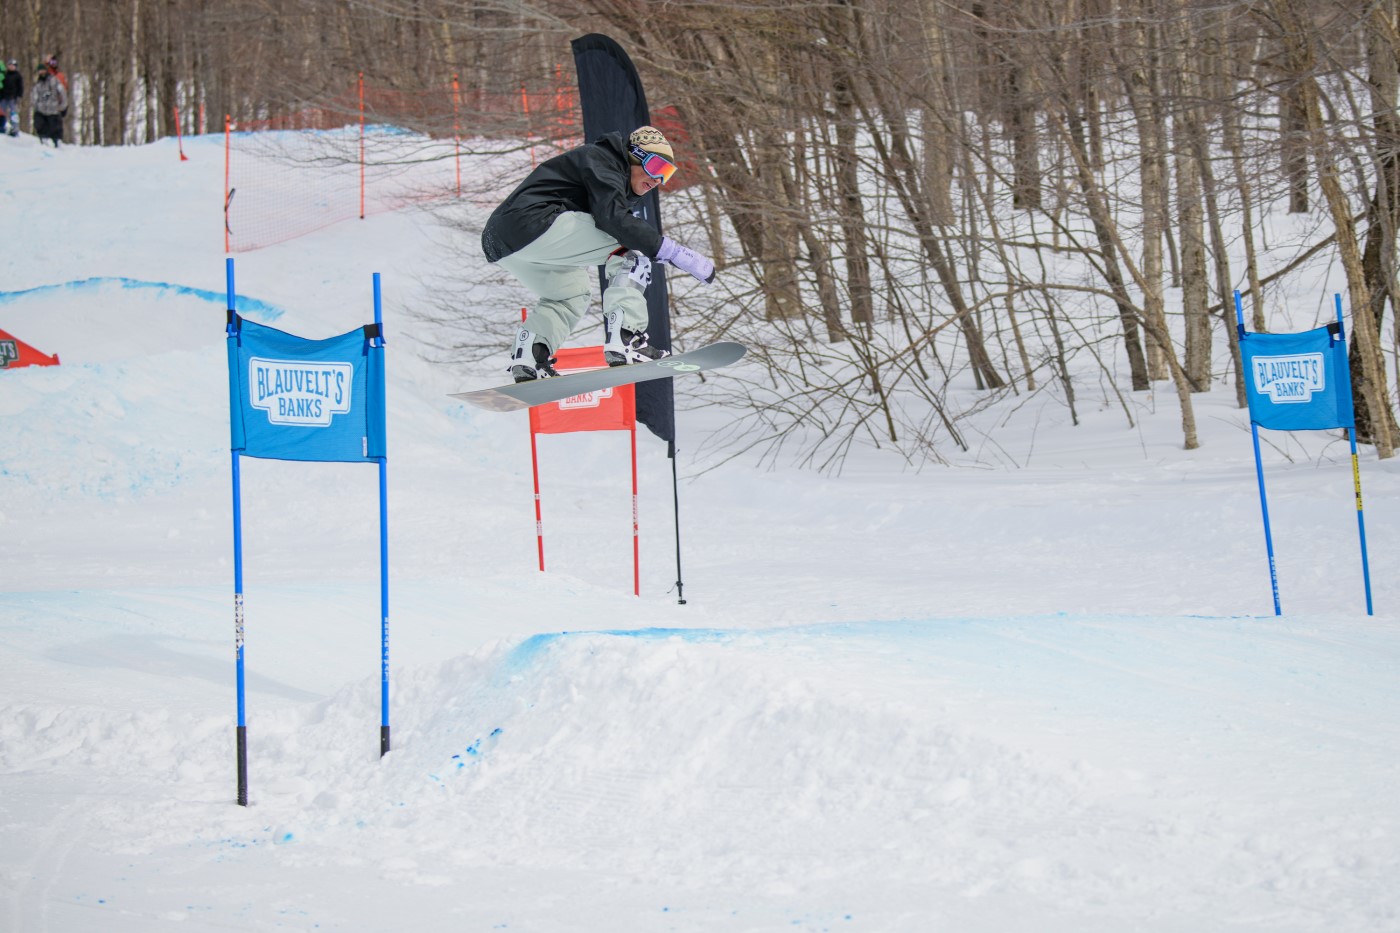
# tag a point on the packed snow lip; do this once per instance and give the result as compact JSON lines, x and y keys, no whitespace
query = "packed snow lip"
{"x":1008,"y":693}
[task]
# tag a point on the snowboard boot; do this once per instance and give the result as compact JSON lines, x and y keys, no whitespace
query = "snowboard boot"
{"x":622,"y":346}
{"x":529,"y":358}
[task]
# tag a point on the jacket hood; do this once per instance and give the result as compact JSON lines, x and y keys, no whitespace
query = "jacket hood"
{"x":613,"y":142}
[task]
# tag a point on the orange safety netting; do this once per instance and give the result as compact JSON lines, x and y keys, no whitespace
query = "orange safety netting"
{"x":377,"y":150}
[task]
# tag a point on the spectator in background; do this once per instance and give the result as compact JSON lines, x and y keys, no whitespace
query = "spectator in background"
{"x":54,"y":70}
{"x":11,"y":93}
{"x":50,"y":104}
{"x":52,"y":65}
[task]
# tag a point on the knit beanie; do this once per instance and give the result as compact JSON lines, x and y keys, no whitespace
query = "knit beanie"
{"x":649,"y":139}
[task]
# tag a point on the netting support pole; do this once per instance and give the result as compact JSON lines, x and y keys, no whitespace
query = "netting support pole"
{"x":362,"y":145}
{"x":179,"y":138}
{"x":457,"y":130}
{"x":228,"y":123}
{"x":525,"y":103}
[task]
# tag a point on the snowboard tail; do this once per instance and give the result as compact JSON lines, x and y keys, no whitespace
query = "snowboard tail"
{"x":519,"y":395}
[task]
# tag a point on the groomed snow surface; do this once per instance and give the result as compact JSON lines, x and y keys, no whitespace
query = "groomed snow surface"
{"x":1041,"y":689}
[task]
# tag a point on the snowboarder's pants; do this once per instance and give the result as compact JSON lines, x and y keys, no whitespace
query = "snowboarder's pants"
{"x":558,"y":266}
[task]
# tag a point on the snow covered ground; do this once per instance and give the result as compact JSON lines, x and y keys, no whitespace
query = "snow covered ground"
{"x":1042,"y":689}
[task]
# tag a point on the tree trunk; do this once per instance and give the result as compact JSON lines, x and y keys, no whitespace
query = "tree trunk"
{"x":852,"y":204}
{"x":778,"y":259}
{"x":1195,"y":288}
{"x":1025,"y":141}
{"x":1383,"y":211}
{"x":1141,"y":92}
{"x":1235,"y":145}
{"x":1221,"y":256}
{"x":1098,"y":213}
{"x":937,"y":118}
{"x":1293,"y":131}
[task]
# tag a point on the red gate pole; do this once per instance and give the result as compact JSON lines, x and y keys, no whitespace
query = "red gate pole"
{"x":535,"y":469}
{"x":539,"y":521}
{"x":636,"y":540}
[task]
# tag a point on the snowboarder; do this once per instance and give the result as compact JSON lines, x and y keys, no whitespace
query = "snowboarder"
{"x":571,"y":214}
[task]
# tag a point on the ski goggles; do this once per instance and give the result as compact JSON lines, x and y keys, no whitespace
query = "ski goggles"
{"x":656,"y":166}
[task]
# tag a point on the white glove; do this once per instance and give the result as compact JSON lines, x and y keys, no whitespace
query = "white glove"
{"x":686,"y":260}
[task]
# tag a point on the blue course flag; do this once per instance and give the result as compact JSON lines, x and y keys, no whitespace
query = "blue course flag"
{"x":296,"y":399}
{"x":1298,"y":382}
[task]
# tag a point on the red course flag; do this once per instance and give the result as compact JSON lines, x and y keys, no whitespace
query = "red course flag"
{"x":15,"y":353}
{"x":612,"y":409}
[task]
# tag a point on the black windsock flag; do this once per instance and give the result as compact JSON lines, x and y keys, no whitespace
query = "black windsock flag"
{"x":613,"y":101}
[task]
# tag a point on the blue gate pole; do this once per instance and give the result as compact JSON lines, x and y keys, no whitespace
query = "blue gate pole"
{"x":383,"y":560}
{"x":241,"y":730}
{"x":1356,"y":479}
{"x":1259,"y":471}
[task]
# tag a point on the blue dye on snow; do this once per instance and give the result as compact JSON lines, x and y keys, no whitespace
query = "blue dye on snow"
{"x":525,"y":653}
{"x":242,"y":304}
{"x":473,"y":751}
{"x":475,"y":747}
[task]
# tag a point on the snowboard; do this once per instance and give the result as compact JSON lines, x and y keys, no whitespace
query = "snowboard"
{"x":518,"y":395}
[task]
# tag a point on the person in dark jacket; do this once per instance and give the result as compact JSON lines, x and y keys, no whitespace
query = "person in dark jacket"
{"x":50,"y":104}
{"x":572,"y":214}
{"x":11,"y":93}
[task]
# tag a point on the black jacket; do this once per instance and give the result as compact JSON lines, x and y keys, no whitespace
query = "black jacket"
{"x":593,"y":179}
{"x":13,"y":88}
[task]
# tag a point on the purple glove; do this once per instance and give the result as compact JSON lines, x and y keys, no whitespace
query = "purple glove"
{"x":686,"y":260}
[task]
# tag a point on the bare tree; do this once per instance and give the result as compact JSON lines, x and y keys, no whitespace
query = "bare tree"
{"x":1301,"y":62}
